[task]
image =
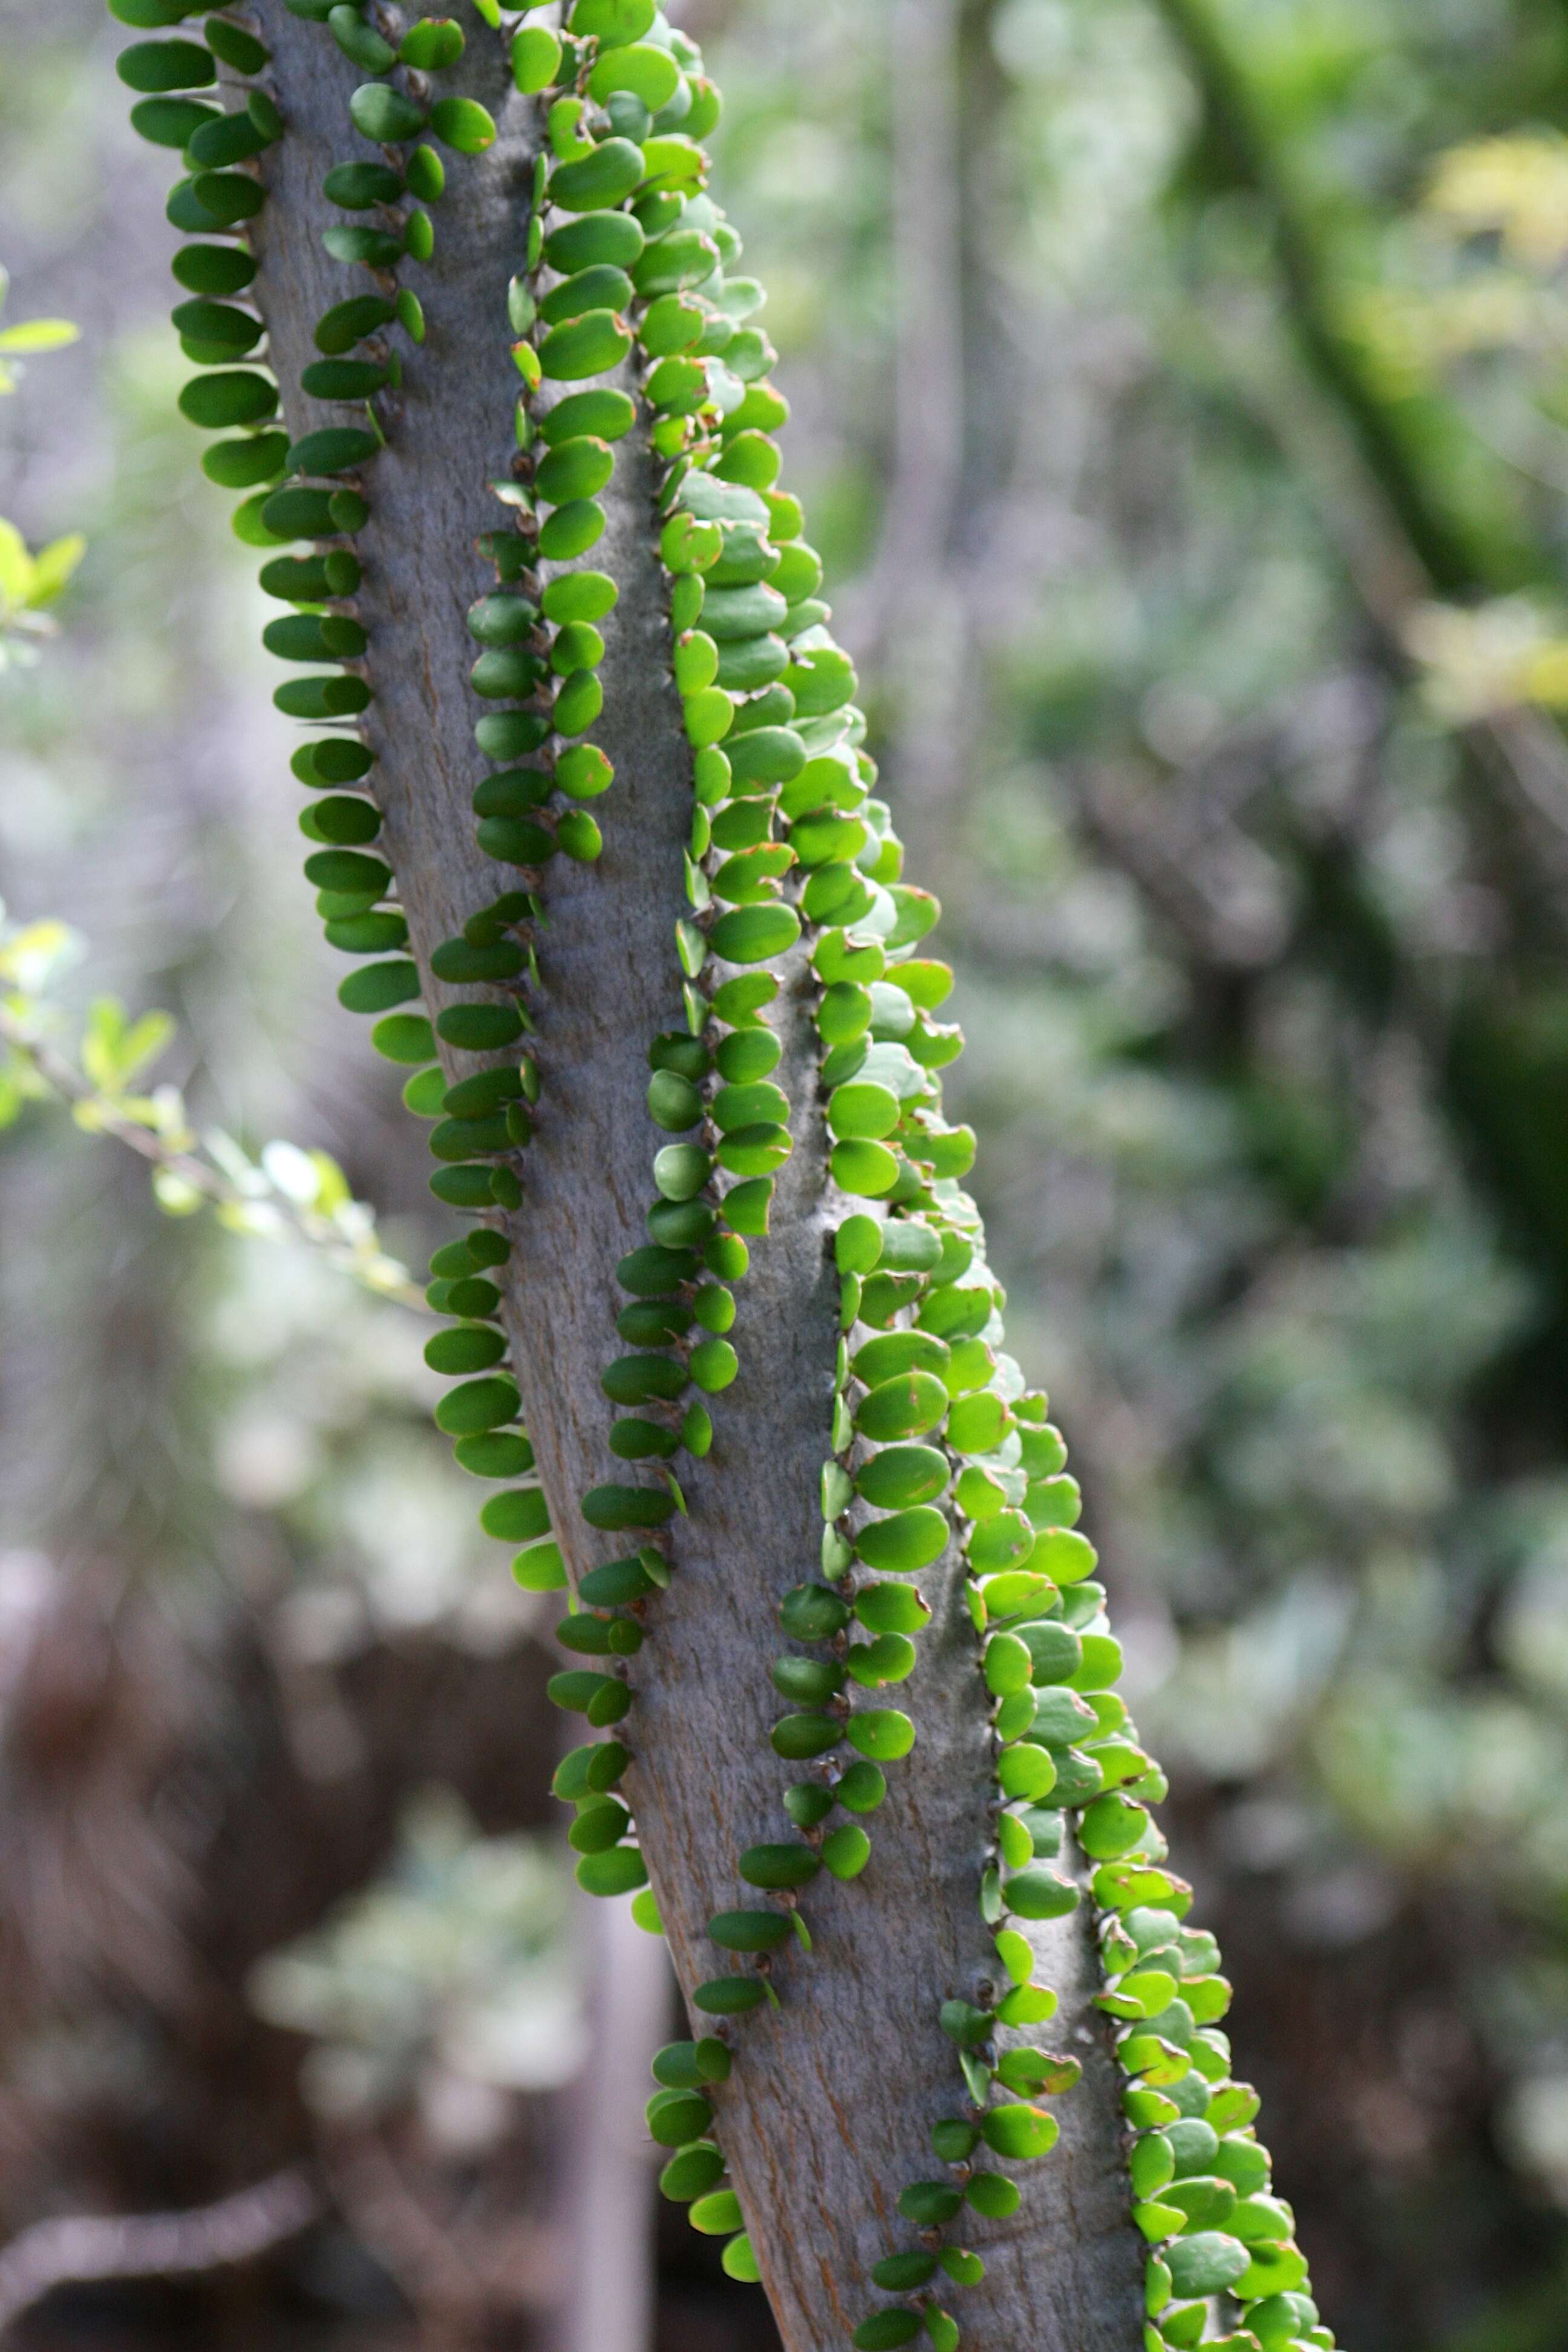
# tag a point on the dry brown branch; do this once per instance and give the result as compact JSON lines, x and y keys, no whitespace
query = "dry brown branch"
{"x":82,"y":2246}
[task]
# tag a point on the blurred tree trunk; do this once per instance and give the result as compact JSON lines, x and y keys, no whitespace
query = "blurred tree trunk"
{"x":606,"y":2156}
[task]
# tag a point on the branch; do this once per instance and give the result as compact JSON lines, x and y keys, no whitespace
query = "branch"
{"x":370,"y":1266}
{"x":154,"y":2245}
{"x":1457,"y":564}
{"x":826,"y":2121}
{"x":1399,"y":542}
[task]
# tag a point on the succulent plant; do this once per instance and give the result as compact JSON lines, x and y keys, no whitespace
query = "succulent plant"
{"x":722,"y":1333}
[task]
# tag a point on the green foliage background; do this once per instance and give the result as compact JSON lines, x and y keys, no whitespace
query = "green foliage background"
{"x":1208,"y":623}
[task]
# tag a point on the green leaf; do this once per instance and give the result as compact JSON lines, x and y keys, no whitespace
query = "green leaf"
{"x":463,"y":123}
{"x":542,"y":1570}
{"x":863,"y":1111}
{"x":774,"y":1866}
{"x":1205,"y":2264}
{"x":30,"y":336}
{"x":992,"y":2194}
{"x":728,"y":1996}
{"x":902,"y":2273}
{"x":676,"y":2118}
{"x":649,"y":73}
{"x":432,"y":45}
{"x":610,"y":22}
{"x":15,"y":569}
{"x":813,"y":1612}
{"x":908,"y":1541}
{"x":224,"y":199}
{"x":845,"y":1850}
{"x":750,"y":935}
{"x":748,"y":1931}
{"x":739,"y":2261}
{"x":694,"y":2170}
{"x":114,"y":1051}
{"x":1040,"y":1893}
{"x":535,"y":57}
{"x":146,"y":15}
{"x":798,"y":1738}
{"x":1033,"y":2071}
{"x":383,"y":115}
{"x":881,"y":1733}
{"x":1025,"y":1771}
{"x":891,"y":1609}
{"x":1007,"y":1665}
{"x":861,"y":1789}
{"x":885,"y":2330}
{"x":930,"y":2203}
{"x":597,"y":181}
{"x":901,"y":1475}
{"x":161,"y":65}
{"x":867,"y":1169}
{"x":357,"y":186}
{"x":359,"y":41}
{"x":478,"y":1405}
{"x":716,"y":2215}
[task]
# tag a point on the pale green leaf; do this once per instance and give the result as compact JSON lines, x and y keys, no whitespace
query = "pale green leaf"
{"x":293,"y":1172}
{"x":32,"y":335}
{"x":53,"y":566}
{"x":31,"y":956}
{"x":16,"y":566}
{"x":173,"y":1195}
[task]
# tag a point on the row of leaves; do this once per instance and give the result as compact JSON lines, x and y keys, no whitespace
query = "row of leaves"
{"x":713,"y":1084}
{"x":525,"y":650}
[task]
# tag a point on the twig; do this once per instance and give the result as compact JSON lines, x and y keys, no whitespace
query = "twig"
{"x":1400,"y":546}
{"x":72,"y":1086}
{"x":152,"y":2245}
{"x":448,"y":2270}
{"x":906,"y":620}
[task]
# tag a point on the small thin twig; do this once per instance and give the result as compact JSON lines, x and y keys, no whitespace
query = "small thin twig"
{"x":72,"y":1086}
{"x":82,"y":2246}
{"x":63,"y":1078}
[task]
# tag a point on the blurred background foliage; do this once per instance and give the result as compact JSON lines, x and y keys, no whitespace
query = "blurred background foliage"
{"x":1181,"y":406}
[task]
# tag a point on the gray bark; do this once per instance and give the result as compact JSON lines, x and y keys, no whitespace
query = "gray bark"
{"x":828,"y":2110}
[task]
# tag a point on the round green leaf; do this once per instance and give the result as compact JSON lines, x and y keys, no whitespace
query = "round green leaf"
{"x":881,"y":1733}
{"x":752,"y":934}
{"x":617,"y":1871}
{"x":845,"y":1850}
{"x":905,"y":1407}
{"x":383,"y":115}
{"x":594,"y":181}
{"x":864,"y":1168}
{"x":901,"y":1475}
{"x":649,"y":73}
{"x":1040,"y":1893}
{"x":860,"y":1110}
{"x":1205,"y":2264}
{"x":909,"y":1540}
{"x":696,"y":2170}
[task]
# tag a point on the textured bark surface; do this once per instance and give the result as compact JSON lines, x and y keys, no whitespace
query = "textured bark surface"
{"x":828,"y":2110}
